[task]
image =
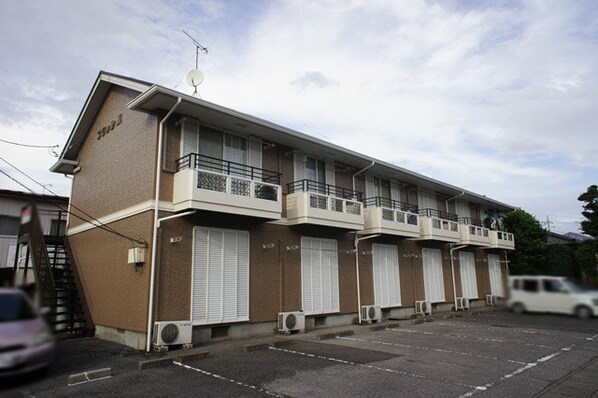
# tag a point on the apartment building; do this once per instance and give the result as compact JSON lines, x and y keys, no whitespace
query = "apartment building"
{"x":234,"y":222}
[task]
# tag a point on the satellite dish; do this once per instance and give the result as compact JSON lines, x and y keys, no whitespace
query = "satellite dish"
{"x":195,"y":78}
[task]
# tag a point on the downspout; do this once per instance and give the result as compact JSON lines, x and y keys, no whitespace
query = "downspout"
{"x":357,"y":240}
{"x":361,"y":171}
{"x":453,"y":198}
{"x":451,"y":250}
{"x":150,"y":305}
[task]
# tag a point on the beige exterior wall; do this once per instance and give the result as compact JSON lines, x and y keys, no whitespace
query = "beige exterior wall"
{"x":117,"y":169}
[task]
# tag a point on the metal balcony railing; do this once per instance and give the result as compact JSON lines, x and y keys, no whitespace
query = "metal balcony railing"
{"x":441,"y":220}
{"x":329,"y":197}
{"x":220,"y":166}
{"x":393,"y":210}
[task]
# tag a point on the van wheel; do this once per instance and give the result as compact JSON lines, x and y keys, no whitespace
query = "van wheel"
{"x":583,"y":312}
{"x":518,"y":308}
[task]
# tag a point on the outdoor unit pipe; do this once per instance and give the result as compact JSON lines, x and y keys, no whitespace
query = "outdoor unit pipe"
{"x":150,"y":305}
{"x":452,"y":249}
{"x":357,"y":240}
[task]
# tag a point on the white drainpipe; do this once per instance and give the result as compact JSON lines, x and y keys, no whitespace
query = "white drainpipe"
{"x":357,"y":240}
{"x":452,"y":249}
{"x":361,"y":171}
{"x":150,"y":305}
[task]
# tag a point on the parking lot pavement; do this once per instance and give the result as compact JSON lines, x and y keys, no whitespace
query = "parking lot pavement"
{"x":494,"y":354}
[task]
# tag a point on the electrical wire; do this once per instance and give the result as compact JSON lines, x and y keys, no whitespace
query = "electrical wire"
{"x":92,"y":220}
{"x":30,"y":146}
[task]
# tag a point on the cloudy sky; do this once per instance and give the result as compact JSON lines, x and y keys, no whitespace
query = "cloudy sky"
{"x":497,"y":97}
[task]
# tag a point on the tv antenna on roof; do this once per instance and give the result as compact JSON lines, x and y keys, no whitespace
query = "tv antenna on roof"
{"x":195,"y":77}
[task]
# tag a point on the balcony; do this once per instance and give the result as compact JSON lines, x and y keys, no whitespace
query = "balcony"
{"x":502,"y":240}
{"x":387,"y":216}
{"x":206,"y":183}
{"x":310,"y":202}
{"x":472,"y":233}
{"x":438,"y":225}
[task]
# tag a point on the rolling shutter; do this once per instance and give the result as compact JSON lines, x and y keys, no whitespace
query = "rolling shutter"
{"x":433,"y":277}
{"x":469,"y":284}
{"x":387,"y":286}
{"x":495,"y":275}
{"x":189,"y":136}
{"x":255,"y":152}
{"x":319,"y":274}
{"x":220,"y":276}
{"x":298,"y":166}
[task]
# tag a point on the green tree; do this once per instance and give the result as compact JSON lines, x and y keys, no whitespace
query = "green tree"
{"x":529,"y":256}
{"x":590,"y":198}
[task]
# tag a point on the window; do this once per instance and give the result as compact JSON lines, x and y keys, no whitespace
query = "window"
{"x":387,"y":285}
{"x":220,"y":291}
{"x":469,"y":285}
{"x":9,"y":225}
{"x":553,"y":286}
{"x":319,"y":275}
{"x":531,"y":285}
{"x":495,"y":275}
{"x":433,"y":277}
{"x":58,"y":227}
{"x":381,"y":187}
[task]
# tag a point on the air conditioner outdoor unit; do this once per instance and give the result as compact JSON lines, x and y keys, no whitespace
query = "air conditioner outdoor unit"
{"x":423,"y":307}
{"x":371,"y":313}
{"x":172,"y":333}
{"x":490,"y":300}
{"x":291,"y":321}
{"x":462,"y":303}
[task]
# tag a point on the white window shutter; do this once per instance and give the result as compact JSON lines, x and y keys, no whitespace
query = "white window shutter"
{"x":394,"y":190}
{"x":494,"y":270}
{"x":200,"y":275}
{"x":426,"y":200}
{"x":369,"y":186}
{"x":189,"y":136}
{"x":387,"y":286}
{"x":330,"y":173}
{"x":319,"y":269}
{"x":462,"y":208}
{"x":433,"y":276}
{"x":469,"y":284}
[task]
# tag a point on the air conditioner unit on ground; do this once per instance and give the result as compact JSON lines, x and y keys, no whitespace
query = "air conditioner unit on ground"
{"x":490,"y":300}
{"x":462,"y":303}
{"x":291,"y":321}
{"x":172,"y":333}
{"x":423,"y":307}
{"x":371,"y":313}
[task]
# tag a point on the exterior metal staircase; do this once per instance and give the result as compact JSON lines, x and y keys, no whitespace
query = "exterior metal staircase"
{"x":57,"y":285}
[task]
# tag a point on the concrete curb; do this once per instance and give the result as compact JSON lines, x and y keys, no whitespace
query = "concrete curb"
{"x":192,"y":356}
{"x":255,"y":347}
{"x":91,"y":375}
{"x":155,"y":363}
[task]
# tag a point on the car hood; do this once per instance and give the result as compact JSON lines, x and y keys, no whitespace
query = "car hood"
{"x":21,"y":332}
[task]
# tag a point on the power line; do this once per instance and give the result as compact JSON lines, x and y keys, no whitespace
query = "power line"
{"x":92,"y":220}
{"x":30,"y":146}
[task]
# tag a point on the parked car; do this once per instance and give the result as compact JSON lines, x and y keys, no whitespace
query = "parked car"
{"x":26,"y":342}
{"x":551,"y":294}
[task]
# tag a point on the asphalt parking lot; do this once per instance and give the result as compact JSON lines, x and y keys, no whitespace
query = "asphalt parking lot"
{"x":486,"y":354}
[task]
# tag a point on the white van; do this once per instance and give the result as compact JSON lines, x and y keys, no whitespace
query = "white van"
{"x":551,"y":294}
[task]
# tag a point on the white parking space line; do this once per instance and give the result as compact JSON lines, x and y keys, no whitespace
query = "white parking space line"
{"x":415,"y":347}
{"x":219,"y":377}
{"x":594,"y":337}
{"x":464,"y":336}
{"x":377,"y":368}
{"x":478,"y":327}
{"x":520,"y":370}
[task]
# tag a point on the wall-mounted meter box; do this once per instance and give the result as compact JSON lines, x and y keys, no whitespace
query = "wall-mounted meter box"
{"x":137,"y":255}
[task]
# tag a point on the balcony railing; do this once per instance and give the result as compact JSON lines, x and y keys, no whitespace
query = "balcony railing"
{"x":207,"y":183}
{"x":220,"y":166}
{"x":502,"y":240}
{"x":473,"y":233}
{"x":317,"y":203}
{"x":439,"y":225}
{"x":387,"y":216}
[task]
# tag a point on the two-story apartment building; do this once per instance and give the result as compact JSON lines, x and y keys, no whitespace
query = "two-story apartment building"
{"x":241,"y":220}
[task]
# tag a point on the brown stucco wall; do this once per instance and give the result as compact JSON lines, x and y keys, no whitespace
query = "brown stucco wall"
{"x":117,"y":295}
{"x":117,"y":169}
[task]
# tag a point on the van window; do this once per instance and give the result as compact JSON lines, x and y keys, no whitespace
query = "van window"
{"x":517,"y":284}
{"x":531,"y":285}
{"x":553,"y":286}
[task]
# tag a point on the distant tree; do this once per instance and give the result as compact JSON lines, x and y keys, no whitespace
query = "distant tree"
{"x":529,"y":256}
{"x":590,"y":198}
